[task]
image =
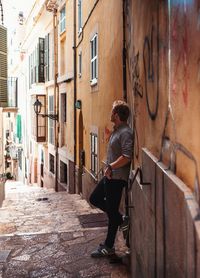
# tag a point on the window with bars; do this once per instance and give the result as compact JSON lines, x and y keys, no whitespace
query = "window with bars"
{"x":51,"y":122}
{"x":94,"y":153}
{"x":80,"y":16}
{"x":94,"y":59}
{"x":62,"y":20}
{"x":51,"y":163}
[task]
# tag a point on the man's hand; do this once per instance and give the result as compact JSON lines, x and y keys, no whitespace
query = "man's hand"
{"x":120,"y":162}
{"x":108,"y":172}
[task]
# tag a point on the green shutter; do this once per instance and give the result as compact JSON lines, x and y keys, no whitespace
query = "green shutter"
{"x":19,"y":128}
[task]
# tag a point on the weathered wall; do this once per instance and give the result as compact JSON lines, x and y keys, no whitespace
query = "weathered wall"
{"x":97,"y":100}
{"x":163,"y":82}
{"x":163,"y":85}
{"x":165,"y":228}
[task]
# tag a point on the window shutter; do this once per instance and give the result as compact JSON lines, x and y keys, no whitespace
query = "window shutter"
{"x":46,"y":58}
{"x":3,"y":67}
{"x":41,"y":60}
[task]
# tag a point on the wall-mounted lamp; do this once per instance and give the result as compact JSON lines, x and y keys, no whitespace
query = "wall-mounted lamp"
{"x":37,"y":108}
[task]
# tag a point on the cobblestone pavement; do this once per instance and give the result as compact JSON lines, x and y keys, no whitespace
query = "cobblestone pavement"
{"x":41,"y":236}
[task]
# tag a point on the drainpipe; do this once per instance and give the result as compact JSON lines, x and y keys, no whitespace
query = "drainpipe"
{"x":56,"y":93}
{"x":1,"y":8}
{"x":124,"y":54}
{"x":75,"y":95}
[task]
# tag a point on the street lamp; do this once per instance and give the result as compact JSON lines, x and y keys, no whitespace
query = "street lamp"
{"x":37,"y":108}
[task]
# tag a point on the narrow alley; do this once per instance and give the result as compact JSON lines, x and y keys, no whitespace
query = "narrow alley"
{"x":41,"y":236}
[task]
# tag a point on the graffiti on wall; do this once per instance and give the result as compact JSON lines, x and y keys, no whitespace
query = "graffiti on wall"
{"x":137,"y":84}
{"x":181,"y":57}
{"x":143,"y":68}
{"x":151,"y":69}
{"x":150,"y":63}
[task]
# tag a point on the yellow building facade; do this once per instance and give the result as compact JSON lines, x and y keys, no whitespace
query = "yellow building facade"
{"x":99,"y":82}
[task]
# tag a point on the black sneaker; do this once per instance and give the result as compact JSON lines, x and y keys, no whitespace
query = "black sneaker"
{"x":124,"y":227}
{"x":103,"y":251}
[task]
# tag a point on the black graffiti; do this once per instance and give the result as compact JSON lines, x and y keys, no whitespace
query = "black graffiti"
{"x":137,"y":86}
{"x":151,"y":69}
{"x":128,"y":10}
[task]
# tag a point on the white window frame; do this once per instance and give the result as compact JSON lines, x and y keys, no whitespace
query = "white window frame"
{"x":94,"y":59}
{"x":80,"y":14}
{"x":94,"y":153}
{"x":63,"y":20}
{"x":80,"y":64}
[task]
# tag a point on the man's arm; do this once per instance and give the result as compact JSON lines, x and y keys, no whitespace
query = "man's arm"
{"x":118,"y":163}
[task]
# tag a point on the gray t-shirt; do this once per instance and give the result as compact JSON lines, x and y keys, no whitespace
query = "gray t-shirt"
{"x":120,"y":143}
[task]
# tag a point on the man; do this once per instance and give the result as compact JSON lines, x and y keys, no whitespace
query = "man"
{"x":108,"y":192}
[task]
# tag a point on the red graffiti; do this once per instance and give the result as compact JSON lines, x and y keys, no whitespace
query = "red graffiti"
{"x":181,"y":51}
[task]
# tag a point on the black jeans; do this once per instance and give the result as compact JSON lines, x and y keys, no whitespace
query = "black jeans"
{"x":107,"y":196}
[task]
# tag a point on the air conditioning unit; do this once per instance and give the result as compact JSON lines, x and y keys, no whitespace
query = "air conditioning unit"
{"x":3,"y":67}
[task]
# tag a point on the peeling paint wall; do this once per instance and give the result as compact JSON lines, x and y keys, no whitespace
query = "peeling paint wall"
{"x":163,"y":69}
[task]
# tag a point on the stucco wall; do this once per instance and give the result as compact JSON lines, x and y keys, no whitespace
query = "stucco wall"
{"x":163,"y":83}
{"x":97,"y":100}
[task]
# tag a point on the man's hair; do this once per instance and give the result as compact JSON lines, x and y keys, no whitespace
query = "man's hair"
{"x":121,"y":108}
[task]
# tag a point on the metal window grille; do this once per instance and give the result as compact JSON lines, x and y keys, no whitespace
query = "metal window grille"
{"x":51,"y":163}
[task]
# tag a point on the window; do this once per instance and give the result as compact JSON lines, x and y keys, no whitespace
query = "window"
{"x":63,"y":172}
{"x":46,"y":58}
{"x":94,"y":153}
{"x":80,"y":64}
{"x":63,"y":55}
{"x":62,"y":20}
{"x":94,"y":60}
{"x":51,"y":55}
{"x":36,"y":64}
{"x":51,"y":163}
{"x":79,"y":16}
{"x":63,"y":108}
{"x":51,"y":122}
